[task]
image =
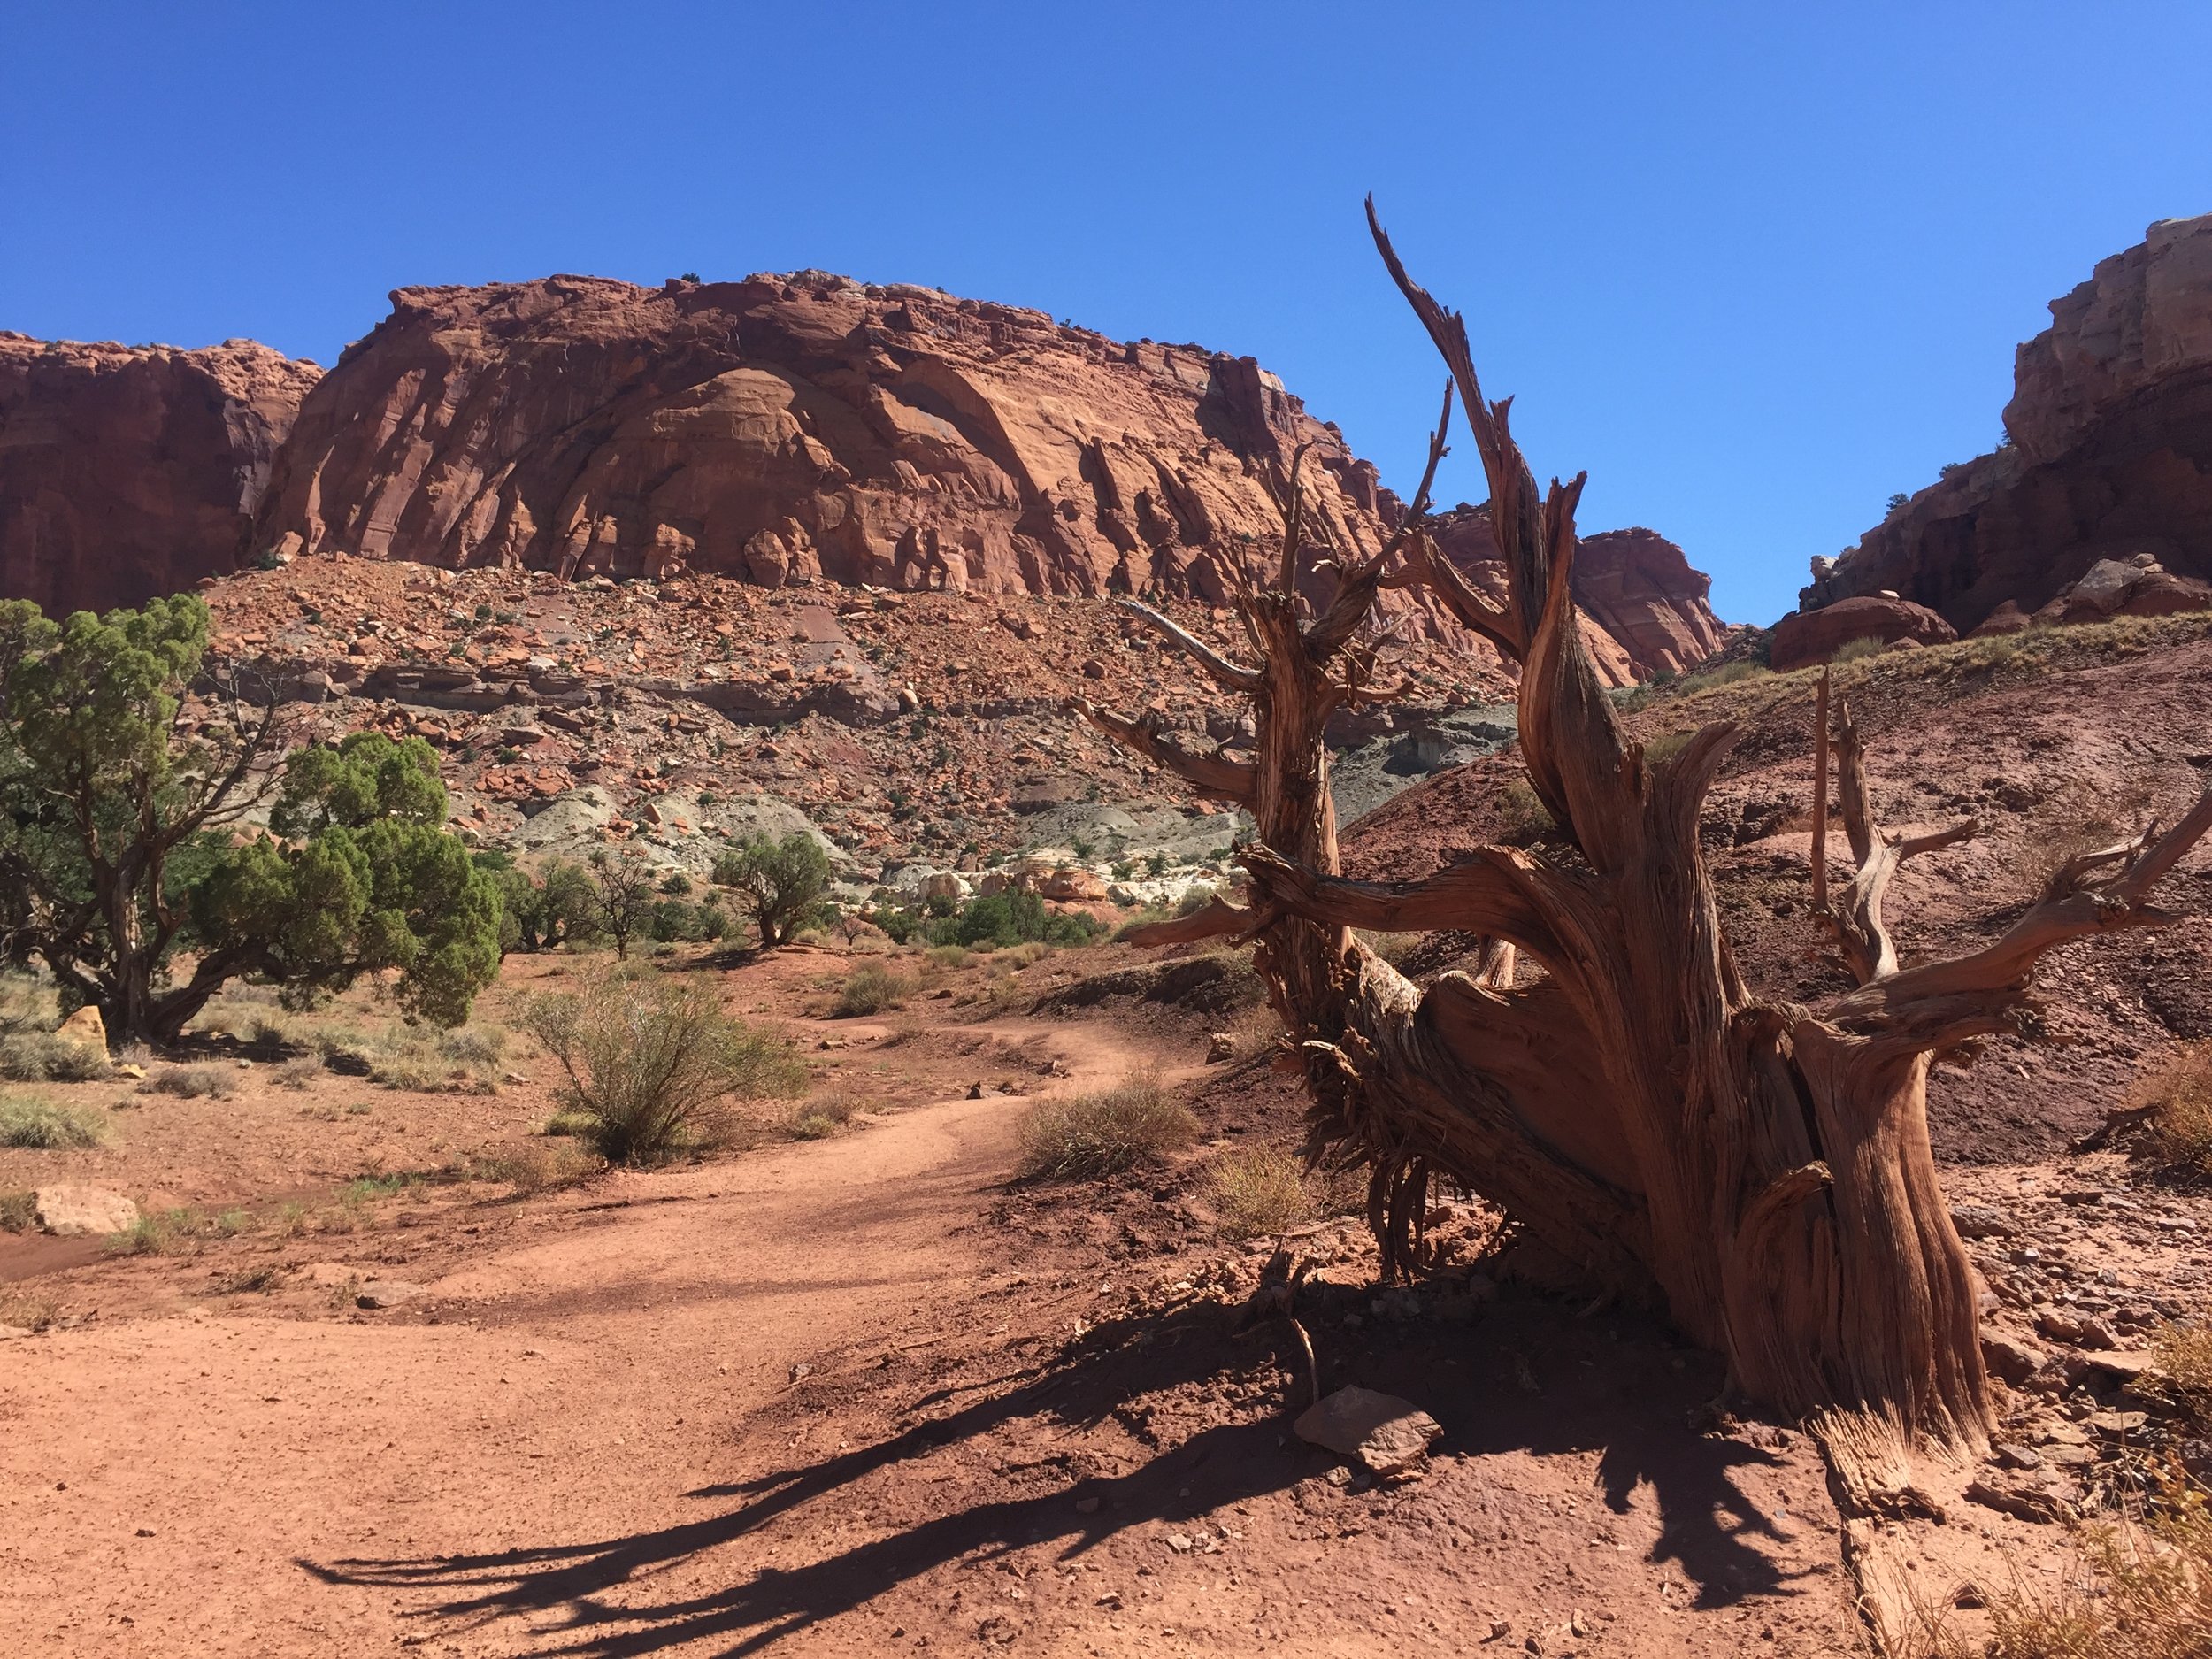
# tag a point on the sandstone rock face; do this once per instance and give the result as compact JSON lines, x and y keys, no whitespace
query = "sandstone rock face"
{"x":782,"y":429}
{"x":131,"y":470}
{"x":1648,"y":605}
{"x":1814,"y":636}
{"x":2111,"y":455}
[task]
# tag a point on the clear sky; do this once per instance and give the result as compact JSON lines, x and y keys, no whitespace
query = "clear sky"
{"x":1754,"y":266}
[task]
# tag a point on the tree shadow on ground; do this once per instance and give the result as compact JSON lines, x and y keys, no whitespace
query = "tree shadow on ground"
{"x":569,"y":1593}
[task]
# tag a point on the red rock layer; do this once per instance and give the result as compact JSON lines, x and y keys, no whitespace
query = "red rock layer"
{"x":131,"y":470}
{"x":786,"y":427}
{"x":1648,"y":605}
{"x":2110,"y":457}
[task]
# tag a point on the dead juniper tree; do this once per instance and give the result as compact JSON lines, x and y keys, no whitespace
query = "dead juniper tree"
{"x":1762,"y":1168}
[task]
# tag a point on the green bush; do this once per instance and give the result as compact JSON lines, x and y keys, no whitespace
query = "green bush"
{"x":40,"y":1125}
{"x":1013,"y":918}
{"x":649,"y":1065}
{"x":779,"y":883}
{"x":1093,"y":1135}
{"x":870,"y":988}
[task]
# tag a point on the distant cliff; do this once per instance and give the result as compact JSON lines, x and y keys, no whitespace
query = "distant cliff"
{"x":2109,"y":454}
{"x":129,"y":471}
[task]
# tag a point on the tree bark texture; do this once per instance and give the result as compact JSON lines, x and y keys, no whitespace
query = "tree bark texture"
{"x":1763,"y":1167}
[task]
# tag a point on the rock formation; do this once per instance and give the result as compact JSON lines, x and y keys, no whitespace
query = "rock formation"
{"x":130,"y":470}
{"x":1648,"y":605}
{"x":779,"y":430}
{"x":2108,"y":458}
{"x":791,"y":426}
{"x":1814,"y":636}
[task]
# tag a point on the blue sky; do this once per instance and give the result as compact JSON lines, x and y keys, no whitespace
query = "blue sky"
{"x":1754,"y":266}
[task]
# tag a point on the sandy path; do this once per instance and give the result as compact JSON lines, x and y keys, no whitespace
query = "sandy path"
{"x":170,"y":1484}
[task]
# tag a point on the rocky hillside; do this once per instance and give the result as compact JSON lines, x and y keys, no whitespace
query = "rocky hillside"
{"x":778,"y":431}
{"x":130,"y":470}
{"x":2108,"y":458}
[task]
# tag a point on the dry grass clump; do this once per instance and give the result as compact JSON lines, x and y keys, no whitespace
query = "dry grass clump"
{"x":650,"y":1065}
{"x":1095,"y":1135}
{"x":529,"y":1170}
{"x":869,"y":989}
{"x":195,"y":1082}
{"x":42,"y":1127}
{"x":301,"y":1072}
{"x":1259,"y":1190}
{"x":19,"y":1212}
{"x":2184,"y":1356}
{"x":39,"y":1056}
{"x":176,"y":1232}
{"x":820,"y":1118}
{"x":2143,"y":1591}
{"x":2181,"y":1093}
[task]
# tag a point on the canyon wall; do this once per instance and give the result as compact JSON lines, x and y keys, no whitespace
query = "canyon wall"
{"x":2108,"y":458}
{"x":130,"y":470}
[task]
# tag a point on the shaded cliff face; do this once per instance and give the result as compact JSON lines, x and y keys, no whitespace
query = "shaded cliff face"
{"x":790,"y":426}
{"x":131,"y":470}
{"x":1648,"y":605}
{"x":2111,"y":455}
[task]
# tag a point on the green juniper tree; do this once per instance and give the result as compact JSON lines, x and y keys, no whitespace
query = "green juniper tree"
{"x":127,"y":840}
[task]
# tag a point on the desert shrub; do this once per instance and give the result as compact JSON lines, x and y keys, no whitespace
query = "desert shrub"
{"x":946,"y":956}
{"x":1094,"y":1135}
{"x":2142,"y":1590}
{"x":19,"y":1212}
{"x":870,"y":988}
{"x":1858,"y":651}
{"x":1667,"y":745}
{"x":2181,"y":1093}
{"x":299,"y":1073}
{"x":649,"y":1065}
{"x":42,"y":1127}
{"x":1521,"y":815}
{"x":43,"y":1057}
{"x":2183,"y":1354}
{"x":473,"y":1045}
{"x":1259,"y":1190}
{"x":820,"y":1118}
{"x":529,"y":1170}
{"x":194,"y":1082}
{"x":27,"y":1004}
{"x":269,"y":1031}
{"x":1011,"y":918}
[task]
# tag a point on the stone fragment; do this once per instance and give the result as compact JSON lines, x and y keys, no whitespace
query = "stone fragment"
{"x":1982,"y":1221}
{"x":67,"y":1210}
{"x":1383,"y":1432}
{"x":386,"y":1293}
{"x":84,"y":1029}
{"x":1220,"y":1046}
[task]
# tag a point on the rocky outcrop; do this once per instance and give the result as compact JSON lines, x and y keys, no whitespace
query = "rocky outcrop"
{"x":1814,"y":636}
{"x":2109,"y":455}
{"x":131,"y":470}
{"x":785,"y":427}
{"x":1648,"y":605}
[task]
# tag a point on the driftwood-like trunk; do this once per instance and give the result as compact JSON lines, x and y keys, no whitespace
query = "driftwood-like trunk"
{"x":1763,"y":1167}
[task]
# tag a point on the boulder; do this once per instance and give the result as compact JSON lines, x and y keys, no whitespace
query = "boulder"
{"x":1073,"y":886}
{"x":1806,"y":637}
{"x":1383,"y":1432}
{"x":67,"y":1210}
{"x":85,"y":1029}
{"x":2006,"y":618}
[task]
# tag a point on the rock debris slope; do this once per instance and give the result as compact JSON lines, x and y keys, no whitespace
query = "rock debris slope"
{"x":130,"y":470}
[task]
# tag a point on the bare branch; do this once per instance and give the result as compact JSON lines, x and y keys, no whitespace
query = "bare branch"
{"x":1216,"y":918}
{"x":1229,"y":676}
{"x":1222,"y":780}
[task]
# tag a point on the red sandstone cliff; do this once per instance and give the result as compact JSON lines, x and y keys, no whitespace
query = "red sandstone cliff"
{"x":790,"y":426}
{"x":1637,"y":588}
{"x":130,"y":470}
{"x":2110,"y":457}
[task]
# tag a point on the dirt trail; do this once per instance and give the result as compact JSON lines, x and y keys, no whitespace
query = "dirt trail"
{"x":199,"y":1484}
